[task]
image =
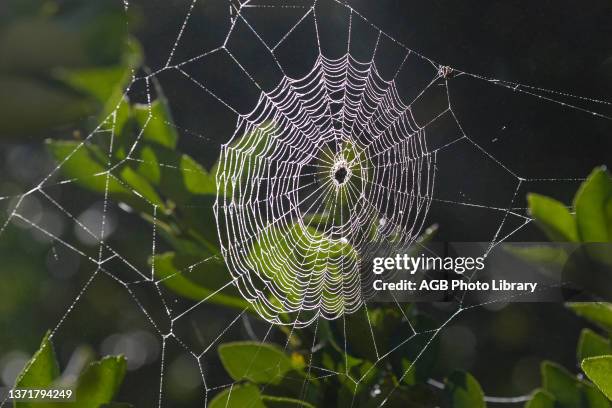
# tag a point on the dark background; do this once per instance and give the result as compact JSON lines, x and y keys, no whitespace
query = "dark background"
{"x":559,"y":45}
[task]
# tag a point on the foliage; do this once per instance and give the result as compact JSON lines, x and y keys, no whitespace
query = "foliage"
{"x":164,"y":186}
{"x":598,"y":369}
{"x":587,"y":227}
{"x":46,"y":87}
{"x":464,"y":391}
{"x":592,"y":219}
{"x":143,"y":169}
{"x":95,"y":387}
{"x":590,"y":222}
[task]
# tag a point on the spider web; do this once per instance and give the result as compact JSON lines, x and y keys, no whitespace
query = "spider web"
{"x":301,"y":159}
{"x":340,"y":154}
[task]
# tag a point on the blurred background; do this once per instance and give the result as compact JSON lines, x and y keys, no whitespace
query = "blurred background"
{"x":560,"y":45}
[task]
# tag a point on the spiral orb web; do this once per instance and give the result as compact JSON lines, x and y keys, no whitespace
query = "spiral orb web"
{"x":325,"y":172}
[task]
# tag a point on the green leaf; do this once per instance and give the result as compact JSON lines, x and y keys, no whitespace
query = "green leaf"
{"x":598,"y":313}
{"x":545,"y":255}
{"x":541,"y":399}
{"x":281,"y":245}
{"x":357,"y":368}
{"x":100,"y":82}
{"x":73,"y":39}
{"x":196,"y":279}
{"x":463,"y":391}
{"x":140,"y":186}
{"x":593,"y":396}
{"x":409,"y":372}
{"x":100,"y":381}
{"x":242,"y":158}
{"x":599,"y":370}
{"x":178,"y":176}
{"x":105,"y":83}
{"x":284,"y":402}
{"x":96,"y":385}
{"x":553,"y":217}
{"x":592,"y":344}
{"x":257,"y":362}
{"x":79,"y":161}
{"x":41,"y":370}
{"x":35,"y":106}
{"x":238,"y":396}
{"x":256,"y":142}
{"x":562,"y":384}
{"x":197,"y":179}
{"x":382,"y":321}
{"x":354,"y":368}
{"x":149,"y":167}
{"x":82,"y":162}
{"x":155,"y":121}
{"x":593,"y":204}
{"x":121,"y":115}
{"x":420,"y":354}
